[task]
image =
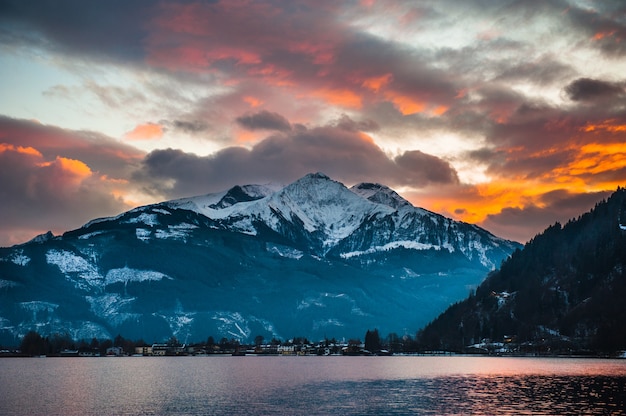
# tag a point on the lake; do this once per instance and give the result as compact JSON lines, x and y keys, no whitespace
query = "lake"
{"x":215,"y":385}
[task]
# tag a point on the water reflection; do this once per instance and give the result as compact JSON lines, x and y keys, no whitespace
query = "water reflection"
{"x":489,"y":395}
{"x":312,"y":385}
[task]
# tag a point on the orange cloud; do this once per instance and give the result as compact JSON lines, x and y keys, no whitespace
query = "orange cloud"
{"x":408,"y":105}
{"x":440,"y":110}
{"x":247,"y":137}
{"x":65,"y":174}
{"x":376,"y":83}
{"x":590,"y":169}
{"x":602,"y":35}
{"x":405,"y":104}
{"x":74,"y":167}
{"x":252,"y":101}
{"x":272,"y":74}
{"x":4,"y":147}
{"x":149,"y":131}
{"x":608,"y":125}
{"x":344,"y":98}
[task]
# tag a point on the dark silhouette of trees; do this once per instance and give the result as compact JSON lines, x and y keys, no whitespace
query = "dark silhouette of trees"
{"x":33,"y":344}
{"x":372,"y":341}
{"x":564,"y":290}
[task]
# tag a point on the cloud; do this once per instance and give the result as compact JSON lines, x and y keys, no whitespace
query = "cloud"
{"x":345,"y":154}
{"x":102,"y":30}
{"x":55,"y":179}
{"x":417,"y":97}
{"x":299,"y":51}
{"x":559,"y":205}
{"x":264,"y":120}
{"x":424,"y":168}
{"x":57,"y":194}
{"x":603,"y":24}
{"x":100,"y":152}
{"x":148,"y":131}
{"x":587,"y":89}
{"x":192,"y":126}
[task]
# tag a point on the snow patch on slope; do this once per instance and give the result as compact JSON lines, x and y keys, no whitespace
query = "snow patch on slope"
{"x":411,"y":245}
{"x":37,"y":307}
{"x":176,"y":232}
{"x":5,"y":284}
{"x":143,"y":234}
{"x":127,"y":274}
{"x":232,"y":323}
{"x":284,"y":251}
{"x":89,"y":235}
{"x":112,"y":306}
{"x":150,"y":220}
{"x":18,"y":258}
{"x":72,"y":265}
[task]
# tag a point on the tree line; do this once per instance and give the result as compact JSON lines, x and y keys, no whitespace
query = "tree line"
{"x":35,"y":344}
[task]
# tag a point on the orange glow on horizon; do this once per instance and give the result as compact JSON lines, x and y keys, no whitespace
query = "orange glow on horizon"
{"x":608,"y":125}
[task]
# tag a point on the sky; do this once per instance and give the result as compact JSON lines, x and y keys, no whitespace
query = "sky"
{"x":507,"y":114}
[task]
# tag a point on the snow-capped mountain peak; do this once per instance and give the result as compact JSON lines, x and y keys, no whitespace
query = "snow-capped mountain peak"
{"x":380,"y":194}
{"x":323,"y":206}
{"x":210,"y":204}
{"x":244,"y":193}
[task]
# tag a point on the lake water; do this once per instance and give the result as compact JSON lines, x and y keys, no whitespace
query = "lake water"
{"x":311,"y":385}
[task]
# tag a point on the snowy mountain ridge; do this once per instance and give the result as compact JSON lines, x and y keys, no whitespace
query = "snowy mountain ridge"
{"x":312,"y":258}
{"x":331,"y":213}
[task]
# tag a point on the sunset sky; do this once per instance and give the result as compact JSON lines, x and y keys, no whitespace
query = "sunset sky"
{"x":507,"y":114}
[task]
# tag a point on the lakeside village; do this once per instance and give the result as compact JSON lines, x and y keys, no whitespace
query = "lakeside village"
{"x":61,"y":345}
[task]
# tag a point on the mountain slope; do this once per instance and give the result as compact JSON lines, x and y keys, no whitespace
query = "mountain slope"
{"x":564,"y":291}
{"x":313,"y":258}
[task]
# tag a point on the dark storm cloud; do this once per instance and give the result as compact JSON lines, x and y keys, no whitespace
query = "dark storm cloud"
{"x":346,"y":155}
{"x":604,"y":25}
{"x":264,"y":120}
{"x":426,"y":168}
{"x":114,"y":28}
{"x":587,"y":89}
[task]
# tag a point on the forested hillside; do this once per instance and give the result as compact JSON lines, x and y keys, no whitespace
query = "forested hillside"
{"x":565,"y":291}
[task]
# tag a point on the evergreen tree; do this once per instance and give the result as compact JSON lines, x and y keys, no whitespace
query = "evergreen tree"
{"x":33,"y":344}
{"x":372,"y":341}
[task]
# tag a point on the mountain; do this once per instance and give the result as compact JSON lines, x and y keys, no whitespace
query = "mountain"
{"x":312,"y":258}
{"x":564,"y":292}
